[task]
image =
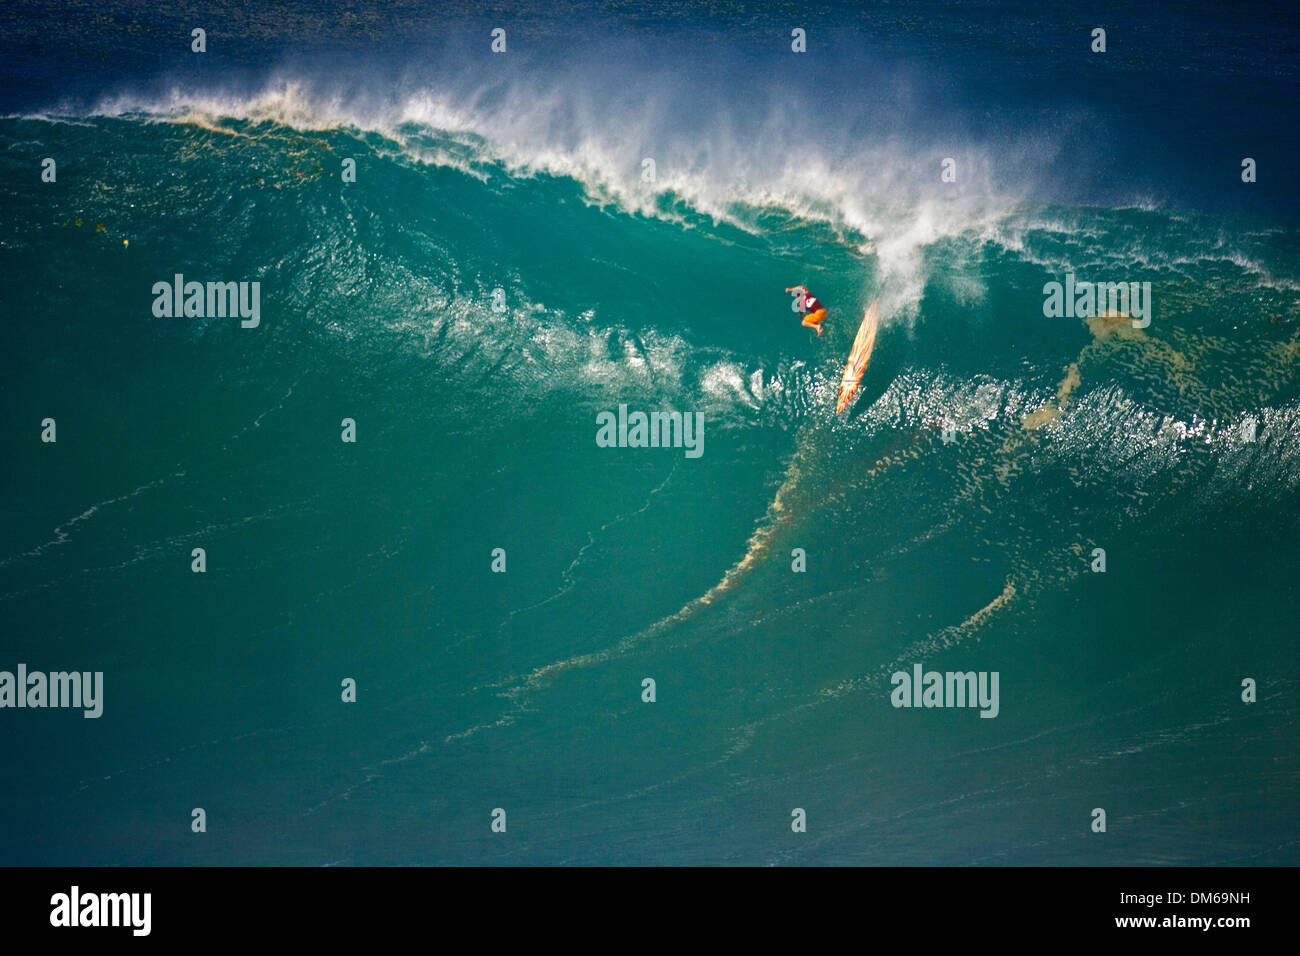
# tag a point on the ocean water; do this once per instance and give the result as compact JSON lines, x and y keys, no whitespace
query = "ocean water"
{"x":950,"y":518}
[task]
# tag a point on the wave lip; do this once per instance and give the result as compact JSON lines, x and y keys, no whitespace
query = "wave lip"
{"x":881,"y":196}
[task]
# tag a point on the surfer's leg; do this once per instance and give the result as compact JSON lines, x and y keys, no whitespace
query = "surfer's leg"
{"x":814,"y":320}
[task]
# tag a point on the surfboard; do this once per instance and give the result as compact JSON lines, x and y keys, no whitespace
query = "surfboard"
{"x":858,"y":357}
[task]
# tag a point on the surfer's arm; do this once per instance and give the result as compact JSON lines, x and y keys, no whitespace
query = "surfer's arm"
{"x":797,"y":288}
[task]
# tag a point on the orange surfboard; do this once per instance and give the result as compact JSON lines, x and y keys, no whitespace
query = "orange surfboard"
{"x":859,"y":357}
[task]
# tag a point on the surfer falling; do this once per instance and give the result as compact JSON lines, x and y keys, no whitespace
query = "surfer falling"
{"x":814,"y":313}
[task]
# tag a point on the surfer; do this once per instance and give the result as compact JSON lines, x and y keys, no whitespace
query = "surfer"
{"x":807,"y":303}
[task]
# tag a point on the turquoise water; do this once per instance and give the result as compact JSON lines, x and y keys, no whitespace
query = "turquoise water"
{"x":948,"y":518}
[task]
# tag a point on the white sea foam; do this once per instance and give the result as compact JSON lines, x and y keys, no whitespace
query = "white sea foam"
{"x":881,"y":192}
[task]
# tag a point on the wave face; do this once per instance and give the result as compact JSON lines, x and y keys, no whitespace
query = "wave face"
{"x":502,"y":270}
